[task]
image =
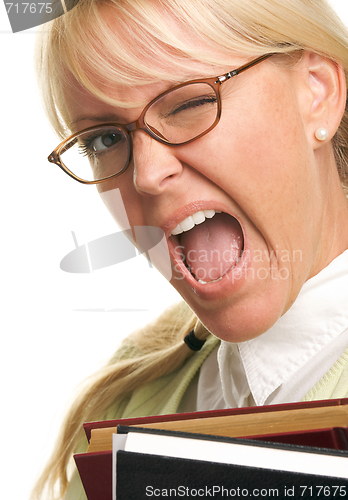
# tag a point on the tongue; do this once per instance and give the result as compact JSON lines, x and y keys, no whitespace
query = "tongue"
{"x":213,"y":247}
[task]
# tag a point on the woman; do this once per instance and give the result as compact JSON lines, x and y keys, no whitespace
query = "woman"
{"x":250,"y":197}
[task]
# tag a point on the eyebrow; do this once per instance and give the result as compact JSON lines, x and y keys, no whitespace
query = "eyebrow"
{"x":110,"y":118}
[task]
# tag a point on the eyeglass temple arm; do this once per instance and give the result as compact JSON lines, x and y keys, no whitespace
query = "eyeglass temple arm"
{"x":246,"y":66}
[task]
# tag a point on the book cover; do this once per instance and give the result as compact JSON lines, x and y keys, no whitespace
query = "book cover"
{"x":149,"y":462}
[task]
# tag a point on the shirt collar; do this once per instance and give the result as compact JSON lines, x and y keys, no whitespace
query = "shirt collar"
{"x":318,"y":315}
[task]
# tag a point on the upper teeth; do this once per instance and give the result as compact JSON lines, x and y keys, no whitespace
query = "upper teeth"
{"x":192,"y":220}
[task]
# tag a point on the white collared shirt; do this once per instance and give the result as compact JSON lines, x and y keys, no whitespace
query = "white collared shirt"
{"x":284,"y":363}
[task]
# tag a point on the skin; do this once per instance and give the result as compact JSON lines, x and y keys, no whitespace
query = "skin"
{"x":261,"y":164}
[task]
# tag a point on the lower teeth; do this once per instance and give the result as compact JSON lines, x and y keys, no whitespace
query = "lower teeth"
{"x":212,"y":281}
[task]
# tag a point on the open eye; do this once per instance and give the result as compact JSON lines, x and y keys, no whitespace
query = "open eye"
{"x":105,"y":141}
{"x":93,"y":144}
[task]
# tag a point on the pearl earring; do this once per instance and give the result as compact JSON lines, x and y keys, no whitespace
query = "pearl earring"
{"x":322,"y":134}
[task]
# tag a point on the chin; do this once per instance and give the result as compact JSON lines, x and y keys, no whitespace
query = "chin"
{"x":243,"y":316}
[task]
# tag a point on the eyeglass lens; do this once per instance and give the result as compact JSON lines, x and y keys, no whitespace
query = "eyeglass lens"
{"x":176,"y":117}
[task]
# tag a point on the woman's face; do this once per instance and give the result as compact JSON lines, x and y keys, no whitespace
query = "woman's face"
{"x":259,"y":168}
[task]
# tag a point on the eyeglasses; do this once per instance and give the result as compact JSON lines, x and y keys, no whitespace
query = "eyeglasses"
{"x":176,"y":117}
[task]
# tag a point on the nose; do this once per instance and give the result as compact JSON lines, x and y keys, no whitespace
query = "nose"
{"x":155,"y":165}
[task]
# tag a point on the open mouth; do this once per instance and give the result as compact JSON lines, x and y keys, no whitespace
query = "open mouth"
{"x":209,"y":243}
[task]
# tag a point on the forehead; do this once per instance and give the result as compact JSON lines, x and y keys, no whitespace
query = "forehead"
{"x":122,"y":65}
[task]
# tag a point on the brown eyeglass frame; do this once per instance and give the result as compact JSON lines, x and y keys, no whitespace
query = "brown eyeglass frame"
{"x":140,"y":123}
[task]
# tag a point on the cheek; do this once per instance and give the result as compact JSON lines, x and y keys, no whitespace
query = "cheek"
{"x":262,"y":148}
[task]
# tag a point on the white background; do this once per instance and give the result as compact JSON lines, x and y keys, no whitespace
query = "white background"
{"x":50,"y":338}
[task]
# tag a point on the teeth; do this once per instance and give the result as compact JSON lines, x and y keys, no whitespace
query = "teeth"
{"x":177,"y":230}
{"x":192,"y":220}
{"x":206,"y":282}
{"x":198,"y":217}
{"x":209,"y":213}
{"x":187,"y":224}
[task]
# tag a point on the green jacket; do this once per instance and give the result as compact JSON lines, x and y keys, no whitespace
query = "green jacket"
{"x":163,"y":396}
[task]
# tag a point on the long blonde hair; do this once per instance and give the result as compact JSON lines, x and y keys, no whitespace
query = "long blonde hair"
{"x":101,"y":50}
{"x":147,"y":354}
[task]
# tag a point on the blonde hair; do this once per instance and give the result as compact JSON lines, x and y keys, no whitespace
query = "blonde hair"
{"x":147,"y":354}
{"x":101,"y":50}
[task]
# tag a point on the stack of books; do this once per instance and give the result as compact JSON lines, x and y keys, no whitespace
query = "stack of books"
{"x":297,"y":450}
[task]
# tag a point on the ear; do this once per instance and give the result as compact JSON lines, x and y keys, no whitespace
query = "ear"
{"x":326,"y":95}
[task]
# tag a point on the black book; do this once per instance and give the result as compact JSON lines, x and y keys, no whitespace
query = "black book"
{"x":169,"y":464}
